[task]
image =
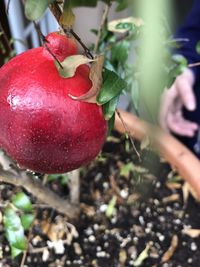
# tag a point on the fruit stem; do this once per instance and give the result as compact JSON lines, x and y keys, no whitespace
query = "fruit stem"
{"x":45,"y":41}
{"x":56,"y":11}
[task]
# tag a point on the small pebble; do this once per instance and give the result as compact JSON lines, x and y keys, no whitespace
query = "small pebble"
{"x":193,"y":246}
{"x":169,"y":209}
{"x":141,"y":220}
{"x":101,"y":254}
{"x":103,"y":207}
{"x":92,"y":238}
{"x":99,"y":248}
{"x":89,"y":231}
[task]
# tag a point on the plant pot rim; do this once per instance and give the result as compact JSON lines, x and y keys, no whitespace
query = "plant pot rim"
{"x":174,"y":152}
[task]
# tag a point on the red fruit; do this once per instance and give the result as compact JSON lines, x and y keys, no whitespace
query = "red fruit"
{"x":41,"y":127}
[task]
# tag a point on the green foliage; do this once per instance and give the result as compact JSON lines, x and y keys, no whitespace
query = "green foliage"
{"x":22,"y":202}
{"x":112,"y":86}
{"x":18,"y":217}
{"x":198,"y":47}
{"x":34,"y":9}
{"x":14,"y":231}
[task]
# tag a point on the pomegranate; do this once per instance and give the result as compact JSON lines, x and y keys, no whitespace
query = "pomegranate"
{"x":41,"y":127}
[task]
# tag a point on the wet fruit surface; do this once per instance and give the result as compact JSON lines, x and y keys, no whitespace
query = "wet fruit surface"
{"x":41,"y":127}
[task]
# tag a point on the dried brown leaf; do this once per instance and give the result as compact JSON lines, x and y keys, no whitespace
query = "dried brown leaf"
{"x":96,"y":78}
{"x":171,"y":198}
{"x":173,"y":186}
{"x":194,"y":233}
{"x":170,"y":252}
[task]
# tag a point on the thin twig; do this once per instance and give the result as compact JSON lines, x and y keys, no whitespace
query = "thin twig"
{"x":192,"y":65}
{"x":102,"y":24}
{"x":42,"y":193}
{"x":128,"y":132}
{"x":5,"y":37}
{"x":44,"y":40}
{"x":86,"y":49}
{"x":28,"y":241}
{"x":55,"y":9}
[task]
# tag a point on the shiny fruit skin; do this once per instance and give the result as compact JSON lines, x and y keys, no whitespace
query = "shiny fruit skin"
{"x":41,"y":127}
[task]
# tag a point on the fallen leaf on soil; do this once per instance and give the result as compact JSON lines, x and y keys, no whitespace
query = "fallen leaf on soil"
{"x":173,"y":186}
{"x":170,"y":252}
{"x":194,"y":233}
{"x":142,"y":256}
{"x":187,"y":190}
{"x":88,"y":210}
{"x":96,"y":78}
{"x":172,"y":198}
{"x":122,"y":256}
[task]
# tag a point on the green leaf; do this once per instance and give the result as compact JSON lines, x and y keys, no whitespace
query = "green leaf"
{"x":120,"y":52}
{"x":34,"y":9}
{"x":111,"y":124}
{"x":27,"y":220}
{"x":70,"y":64}
{"x":111,"y":207}
{"x":142,"y":257}
{"x":14,"y":229}
{"x":112,"y":86}
{"x":198,"y":47}
{"x":110,"y":107}
{"x":22,"y":202}
{"x":123,"y":4}
{"x":15,"y":252}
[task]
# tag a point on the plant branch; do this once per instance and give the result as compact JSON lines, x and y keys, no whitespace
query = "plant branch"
{"x":44,"y":41}
{"x":128,"y":132}
{"x":5,"y":37}
{"x":102,"y":24}
{"x":192,"y":65}
{"x":10,"y":173}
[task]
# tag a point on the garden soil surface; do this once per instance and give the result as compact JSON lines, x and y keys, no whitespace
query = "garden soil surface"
{"x":134,"y":212}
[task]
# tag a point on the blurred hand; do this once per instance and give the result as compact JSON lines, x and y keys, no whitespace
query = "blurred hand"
{"x":173,"y":100}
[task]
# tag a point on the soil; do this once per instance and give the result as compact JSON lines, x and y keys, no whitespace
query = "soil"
{"x":133,"y":214}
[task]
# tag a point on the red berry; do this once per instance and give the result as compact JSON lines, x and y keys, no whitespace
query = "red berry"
{"x":41,"y":127}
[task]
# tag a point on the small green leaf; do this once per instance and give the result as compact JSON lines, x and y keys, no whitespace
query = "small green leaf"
{"x":111,"y":207}
{"x":27,"y":220}
{"x":110,"y":107}
{"x":22,"y":202}
{"x":122,"y":4}
{"x":198,"y":47}
{"x":111,"y":124}
{"x":13,"y":229}
{"x":34,"y":9}
{"x":112,"y":86}
{"x":142,"y":257}
{"x":70,"y":64}
{"x":135,"y":94}
{"x":15,"y":252}
{"x":120,"y":52}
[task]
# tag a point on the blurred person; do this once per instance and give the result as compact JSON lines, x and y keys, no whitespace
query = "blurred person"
{"x":180,"y":105}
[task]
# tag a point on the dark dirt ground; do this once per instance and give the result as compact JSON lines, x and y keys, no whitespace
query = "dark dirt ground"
{"x":133,"y":214}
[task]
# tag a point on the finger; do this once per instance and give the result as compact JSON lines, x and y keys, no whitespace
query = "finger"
{"x":166,"y":104}
{"x":181,"y":126}
{"x":185,"y":90}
